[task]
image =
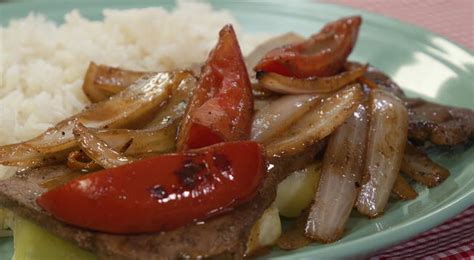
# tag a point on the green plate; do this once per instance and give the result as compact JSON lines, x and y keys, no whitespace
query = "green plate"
{"x":425,"y":64}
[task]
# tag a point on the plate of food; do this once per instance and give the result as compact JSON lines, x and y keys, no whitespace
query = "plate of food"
{"x":145,"y":130}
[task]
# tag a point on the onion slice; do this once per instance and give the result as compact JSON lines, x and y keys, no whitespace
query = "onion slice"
{"x":140,"y":143}
{"x":315,"y":85}
{"x":129,"y":108}
{"x":421,"y":168}
{"x":176,"y":105}
{"x":388,"y":130}
{"x":97,"y":149}
{"x":402,"y":189}
{"x":26,"y":157}
{"x":262,"y":102}
{"x":318,"y":123}
{"x":102,"y":82}
{"x":78,"y":160}
{"x":339,"y":185}
{"x":279,"y":115}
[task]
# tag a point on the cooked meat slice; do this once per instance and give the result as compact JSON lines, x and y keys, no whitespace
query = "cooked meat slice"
{"x":283,"y":166}
{"x":421,"y":168}
{"x":384,"y":81}
{"x":223,"y":235}
{"x":402,"y":190}
{"x":226,"y":234}
{"x":440,"y":124}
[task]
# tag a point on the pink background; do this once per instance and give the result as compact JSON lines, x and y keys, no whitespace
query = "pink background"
{"x":452,"y":19}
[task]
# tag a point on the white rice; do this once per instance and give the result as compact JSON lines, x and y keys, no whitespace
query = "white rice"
{"x":43,"y":64}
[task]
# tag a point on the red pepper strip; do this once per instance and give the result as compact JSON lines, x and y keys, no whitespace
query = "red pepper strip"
{"x":163,"y":192}
{"x":322,"y":55}
{"x":221,"y":107}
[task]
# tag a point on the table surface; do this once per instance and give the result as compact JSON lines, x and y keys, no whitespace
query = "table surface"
{"x":454,"y":20}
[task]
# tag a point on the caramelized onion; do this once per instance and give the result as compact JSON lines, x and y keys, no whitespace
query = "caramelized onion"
{"x":343,"y":164}
{"x":261,"y":93}
{"x":289,"y":85}
{"x":278,"y":115}
{"x":98,"y":150}
{"x":318,"y":123}
{"x":78,"y":160}
{"x":140,"y":142}
{"x":421,"y":168}
{"x":402,"y":189}
{"x":175,"y":108}
{"x":26,"y":157}
{"x":159,"y":135}
{"x":386,"y":144}
{"x":102,"y":82}
{"x":129,"y":108}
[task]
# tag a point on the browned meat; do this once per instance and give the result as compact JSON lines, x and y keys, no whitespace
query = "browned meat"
{"x":402,"y":190}
{"x":384,"y":81}
{"x":442,"y":125}
{"x":223,"y":235}
{"x":421,"y":168}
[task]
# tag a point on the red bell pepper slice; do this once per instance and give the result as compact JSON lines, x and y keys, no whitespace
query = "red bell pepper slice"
{"x":322,"y":55}
{"x":163,"y":192}
{"x":221,"y":107}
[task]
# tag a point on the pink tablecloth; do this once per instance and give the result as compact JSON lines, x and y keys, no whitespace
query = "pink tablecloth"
{"x":453,"y":19}
{"x":453,"y":239}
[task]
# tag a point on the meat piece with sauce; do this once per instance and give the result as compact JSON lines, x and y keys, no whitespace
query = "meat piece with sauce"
{"x":224,"y":235}
{"x":439,"y":124}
